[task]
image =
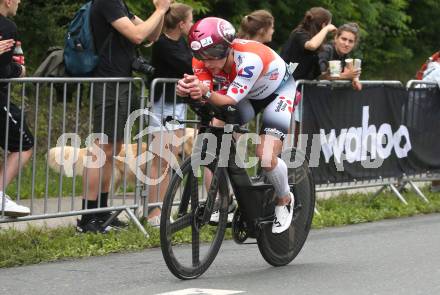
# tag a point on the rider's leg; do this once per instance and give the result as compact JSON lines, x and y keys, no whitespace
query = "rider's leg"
{"x":276,"y":122}
{"x":275,"y":168}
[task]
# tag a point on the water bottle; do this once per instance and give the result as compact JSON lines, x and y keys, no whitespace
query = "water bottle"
{"x":17,"y":54}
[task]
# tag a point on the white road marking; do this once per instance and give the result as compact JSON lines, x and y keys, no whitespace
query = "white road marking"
{"x":197,"y":291}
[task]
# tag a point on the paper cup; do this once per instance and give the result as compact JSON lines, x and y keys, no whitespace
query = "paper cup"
{"x":349,"y":62}
{"x":357,"y":64}
{"x":335,"y":68}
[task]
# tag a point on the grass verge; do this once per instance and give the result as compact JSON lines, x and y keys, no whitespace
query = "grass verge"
{"x":35,"y":245}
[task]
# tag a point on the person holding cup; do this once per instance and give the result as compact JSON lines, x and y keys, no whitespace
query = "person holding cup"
{"x":334,"y":60}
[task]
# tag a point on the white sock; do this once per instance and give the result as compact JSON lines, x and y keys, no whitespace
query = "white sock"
{"x":278,"y":178}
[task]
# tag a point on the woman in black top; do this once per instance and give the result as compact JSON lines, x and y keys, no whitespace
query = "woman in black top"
{"x":346,"y":39}
{"x":304,"y":43}
{"x":171,"y":58}
{"x":303,"y":46}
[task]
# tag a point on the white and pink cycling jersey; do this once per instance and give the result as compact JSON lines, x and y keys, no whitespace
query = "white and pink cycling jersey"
{"x":260,"y":70}
{"x":258,"y":81}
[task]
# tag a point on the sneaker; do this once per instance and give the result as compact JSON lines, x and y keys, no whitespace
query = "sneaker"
{"x":93,"y":225}
{"x":116,"y":222}
{"x":283,"y":216}
{"x":11,"y":208}
{"x":216,"y":213}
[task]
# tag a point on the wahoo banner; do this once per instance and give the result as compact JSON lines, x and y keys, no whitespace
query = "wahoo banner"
{"x":379,"y":132}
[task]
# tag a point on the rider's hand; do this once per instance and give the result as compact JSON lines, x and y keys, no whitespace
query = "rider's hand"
{"x":181,"y":91}
{"x":184,"y":85}
{"x":196,"y":93}
{"x":162,"y":5}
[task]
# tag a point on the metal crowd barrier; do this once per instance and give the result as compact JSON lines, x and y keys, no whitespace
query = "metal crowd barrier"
{"x":429,"y":175}
{"x":59,"y":111}
{"x":395,"y":184}
{"x":56,"y":106}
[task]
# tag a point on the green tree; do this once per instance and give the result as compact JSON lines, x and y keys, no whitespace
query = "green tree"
{"x":397,"y":35}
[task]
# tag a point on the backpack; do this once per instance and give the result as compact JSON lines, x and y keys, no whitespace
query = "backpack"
{"x":80,"y":56}
{"x":420,"y":73}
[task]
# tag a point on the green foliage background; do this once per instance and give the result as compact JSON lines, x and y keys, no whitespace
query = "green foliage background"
{"x":397,"y":35}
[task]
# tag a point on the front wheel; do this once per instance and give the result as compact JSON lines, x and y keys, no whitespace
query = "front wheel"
{"x":281,"y":249}
{"x":184,"y":221}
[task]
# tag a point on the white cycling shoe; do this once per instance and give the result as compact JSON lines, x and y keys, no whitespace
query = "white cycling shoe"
{"x":283,"y":216}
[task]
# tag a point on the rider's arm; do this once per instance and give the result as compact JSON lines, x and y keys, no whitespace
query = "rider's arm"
{"x":217,"y":98}
{"x":247,"y":74}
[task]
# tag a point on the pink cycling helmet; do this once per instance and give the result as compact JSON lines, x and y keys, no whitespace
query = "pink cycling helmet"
{"x":211,"y":38}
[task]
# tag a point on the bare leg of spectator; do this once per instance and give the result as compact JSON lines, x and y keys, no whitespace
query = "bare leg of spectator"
{"x":13,"y":166}
{"x":157,"y":192}
{"x":91,"y":182}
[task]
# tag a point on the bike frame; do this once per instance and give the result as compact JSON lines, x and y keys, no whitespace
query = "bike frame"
{"x":254,"y":198}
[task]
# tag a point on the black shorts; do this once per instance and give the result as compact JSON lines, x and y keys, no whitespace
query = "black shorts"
{"x":14,"y":118}
{"x":111,"y":112}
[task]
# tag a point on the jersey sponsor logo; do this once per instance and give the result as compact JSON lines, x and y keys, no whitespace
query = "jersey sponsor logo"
{"x":220,"y":79}
{"x":195,"y":45}
{"x":206,"y":41}
{"x":273,"y":75}
{"x":239,"y":60}
{"x":199,"y":71}
{"x":257,"y":92}
{"x":206,"y":83}
{"x":283,"y":104}
{"x":246,"y":72}
{"x":236,"y":84}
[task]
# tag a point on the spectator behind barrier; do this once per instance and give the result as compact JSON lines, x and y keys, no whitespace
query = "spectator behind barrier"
{"x":306,"y":41}
{"x":346,"y":39}
{"x":258,"y":26}
{"x":116,"y":32}
{"x":303,"y":46}
{"x":10,"y":122}
{"x":171,"y":57}
{"x":432,"y":74}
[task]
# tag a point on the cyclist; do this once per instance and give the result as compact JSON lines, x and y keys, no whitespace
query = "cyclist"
{"x":255,"y":79}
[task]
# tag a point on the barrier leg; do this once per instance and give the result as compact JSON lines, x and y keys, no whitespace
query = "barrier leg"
{"x":112,"y":217}
{"x":378,"y":192}
{"x":136,"y":221}
{"x":397,"y":193}
{"x":316,"y":210}
{"x":401,"y":186}
{"x":418,"y":192}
